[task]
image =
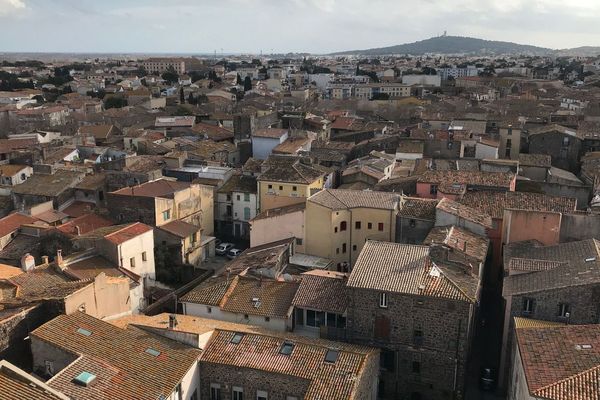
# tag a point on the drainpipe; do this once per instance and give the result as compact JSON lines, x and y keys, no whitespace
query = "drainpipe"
{"x":350,"y":243}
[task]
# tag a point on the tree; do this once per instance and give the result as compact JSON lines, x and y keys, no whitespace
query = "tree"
{"x":238,"y":80}
{"x":181,"y":96}
{"x":247,"y":84}
{"x":192,"y":99}
{"x":115,"y":102}
{"x":380,"y":96}
{"x":170,"y":75}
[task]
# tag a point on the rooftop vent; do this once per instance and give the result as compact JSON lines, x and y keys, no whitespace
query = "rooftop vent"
{"x":332,"y":355}
{"x":85,"y":379}
{"x":286,"y":348}
{"x":84,"y":332}
{"x":153,"y":352}
{"x":237,"y":338}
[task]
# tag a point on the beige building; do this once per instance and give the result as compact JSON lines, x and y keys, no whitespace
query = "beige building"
{"x":160,"y":65}
{"x":287,"y":180}
{"x":339,"y":222}
{"x":510,"y":143}
{"x":278,"y":224}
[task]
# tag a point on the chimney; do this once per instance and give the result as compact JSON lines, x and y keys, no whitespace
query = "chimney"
{"x":44,"y":260}
{"x":78,"y":230}
{"x":59,"y":258}
{"x":172,"y":321}
{"x":27,"y":262}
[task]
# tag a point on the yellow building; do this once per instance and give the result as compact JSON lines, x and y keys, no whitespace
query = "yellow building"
{"x":287,"y":180}
{"x":339,"y":222}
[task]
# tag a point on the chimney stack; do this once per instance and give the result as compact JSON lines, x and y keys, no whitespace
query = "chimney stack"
{"x":78,"y":230}
{"x":59,"y":259}
{"x":27,"y":262}
{"x":172,"y":321}
{"x":44,"y":260}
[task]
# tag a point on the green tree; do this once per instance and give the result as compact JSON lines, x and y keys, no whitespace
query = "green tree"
{"x":181,"y":96}
{"x":238,"y":80}
{"x":170,"y":75}
{"x":191,"y":99}
{"x":247,"y":84}
{"x":115,"y":102}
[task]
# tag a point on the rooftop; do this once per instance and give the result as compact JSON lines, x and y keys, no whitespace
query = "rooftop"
{"x":470,"y":178}
{"x":462,"y":211}
{"x":289,"y":169}
{"x":560,"y":362}
{"x":404,"y":268}
{"x":158,"y":188}
{"x":340,"y":199}
{"x":113,"y":353}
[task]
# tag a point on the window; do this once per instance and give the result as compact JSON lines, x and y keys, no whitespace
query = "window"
{"x":237,"y":338}
{"x":286,"y":348}
{"x":144,"y":256}
{"x":261,"y":395}
{"x":270,"y":186}
{"x":246,"y":213}
{"x":246,"y":196}
{"x":343,"y":226}
{"x":387,"y":360}
{"x":335,"y":229}
{"x":299,"y":316}
{"x":343,"y":247}
{"x":194,"y":395}
{"x":528,"y":305}
{"x":132,"y":262}
{"x":566,"y":141}
{"x":564,"y":310}
{"x":215,"y":391}
{"x":237,"y":197}
{"x":508,"y":142}
{"x":337,"y":250}
{"x":208,"y":309}
{"x":299,"y":241}
{"x":280,"y":187}
{"x":357,"y":225}
{"x":507,"y":152}
{"x":267,"y":319}
{"x":294,"y":188}
{"x":331,"y":356}
{"x":433,"y":189}
{"x":178,"y":391}
{"x":238,"y":393}
{"x":353,"y":247}
{"x":228,"y":197}
{"x":291,"y":398}
{"x":383,"y":300}
{"x":380,"y":227}
{"x":418,"y":337}
{"x":369,"y":225}
{"x":416,"y":367}
{"x":166,"y":214}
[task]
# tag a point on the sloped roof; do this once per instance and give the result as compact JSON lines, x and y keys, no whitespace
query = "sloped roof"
{"x":341,"y":199}
{"x":289,"y":169}
{"x":158,"y":188}
{"x":460,"y":210}
{"x":402,"y":268}
{"x":556,"y":365}
{"x":322,"y":293}
{"x":115,"y":352}
{"x":179,"y":228}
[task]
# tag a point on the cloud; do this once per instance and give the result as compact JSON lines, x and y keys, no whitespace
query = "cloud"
{"x":11,"y":7}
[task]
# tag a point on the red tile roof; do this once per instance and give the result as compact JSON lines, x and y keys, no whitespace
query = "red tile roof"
{"x":127,"y":233}
{"x":12,"y":222}
{"x":84,"y":224}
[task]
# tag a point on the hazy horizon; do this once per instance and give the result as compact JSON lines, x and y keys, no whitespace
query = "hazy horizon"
{"x":293,"y":26}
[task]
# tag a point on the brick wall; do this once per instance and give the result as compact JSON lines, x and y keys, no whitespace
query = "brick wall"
{"x":437,"y":319}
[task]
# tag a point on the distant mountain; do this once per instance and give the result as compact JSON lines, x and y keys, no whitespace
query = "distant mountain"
{"x":584,"y":51}
{"x":453,"y":45}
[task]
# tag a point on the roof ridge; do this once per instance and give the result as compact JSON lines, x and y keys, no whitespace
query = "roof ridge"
{"x":230,"y":289}
{"x":569,"y":378}
{"x":456,"y":286}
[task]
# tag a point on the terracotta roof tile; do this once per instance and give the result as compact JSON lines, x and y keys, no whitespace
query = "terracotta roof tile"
{"x":494,"y":203}
{"x":460,"y":210}
{"x":322,"y":293}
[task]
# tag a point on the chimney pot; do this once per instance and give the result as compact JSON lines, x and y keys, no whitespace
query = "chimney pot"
{"x":45,"y":260}
{"x":27,"y":262}
{"x":59,"y":258}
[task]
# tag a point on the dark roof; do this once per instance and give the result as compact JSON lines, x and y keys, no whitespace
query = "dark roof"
{"x":49,"y":185}
{"x":158,"y":188}
{"x":340,"y":199}
{"x":465,"y":212}
{"x":494,"y":203}
{"x":239,"y":183}
{"x":322,"y":293}
{"x":289,"y":169}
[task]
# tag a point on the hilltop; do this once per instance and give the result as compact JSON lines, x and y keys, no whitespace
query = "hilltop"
{"x":453,"y":45}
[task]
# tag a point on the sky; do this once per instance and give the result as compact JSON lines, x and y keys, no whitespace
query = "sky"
{"x":281,"y":26}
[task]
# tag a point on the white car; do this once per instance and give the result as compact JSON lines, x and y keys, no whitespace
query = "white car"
{"x":233,"y":253}
{"x":223,"y":248}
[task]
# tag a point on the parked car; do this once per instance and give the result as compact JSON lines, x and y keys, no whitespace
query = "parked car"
{"x":487,"y":381}
{"x":223,"y":248}
{"x":233,"y":253}
{"x":218,"y":242}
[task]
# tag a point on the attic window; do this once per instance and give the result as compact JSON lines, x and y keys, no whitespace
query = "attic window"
{"x":237,"y":338}
{"x":153,"y":352}
{"x":332,"y":356}
{"x":84,"y":379}
{"x":84,"y":332}
{"x":286,"y":348}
